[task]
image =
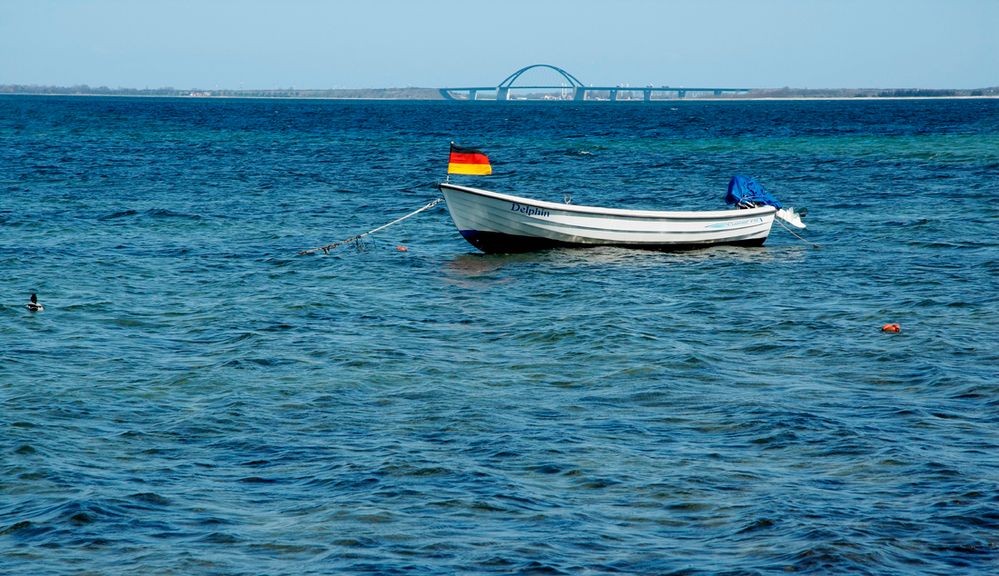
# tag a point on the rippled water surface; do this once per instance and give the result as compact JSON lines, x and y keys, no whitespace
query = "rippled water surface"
{"x":197,"y":399}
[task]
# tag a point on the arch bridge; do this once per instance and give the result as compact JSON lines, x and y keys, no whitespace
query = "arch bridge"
{"x":572,"y":84}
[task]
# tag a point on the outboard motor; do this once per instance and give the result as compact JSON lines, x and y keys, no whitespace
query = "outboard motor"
{"x":745,"y":192}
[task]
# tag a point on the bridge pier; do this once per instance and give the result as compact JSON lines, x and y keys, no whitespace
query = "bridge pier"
{"x":613,"y":95}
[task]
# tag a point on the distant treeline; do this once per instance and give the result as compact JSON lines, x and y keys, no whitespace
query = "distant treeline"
{"x":358,"y":93}
{"x":864,"y":93}
{"x":433,"y":94}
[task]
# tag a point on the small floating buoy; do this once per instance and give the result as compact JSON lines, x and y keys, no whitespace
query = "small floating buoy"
{"x":893,"y":328}
{"x":402,"y":248}
{"x":34,"y":306}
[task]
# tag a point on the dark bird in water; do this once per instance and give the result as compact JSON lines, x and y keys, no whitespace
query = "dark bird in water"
{"x":34,"y":306}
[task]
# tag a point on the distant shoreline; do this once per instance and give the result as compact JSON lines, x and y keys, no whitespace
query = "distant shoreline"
{"x":838,"y":98}
{"x":433,"y":94}
{"x":538,"y":100}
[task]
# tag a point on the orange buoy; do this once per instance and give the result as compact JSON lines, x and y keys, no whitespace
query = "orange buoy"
{"x":893,"y":328}
{"x":402,"y":248}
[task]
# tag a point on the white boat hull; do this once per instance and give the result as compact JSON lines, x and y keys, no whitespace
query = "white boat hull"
{"x":494,"y":222}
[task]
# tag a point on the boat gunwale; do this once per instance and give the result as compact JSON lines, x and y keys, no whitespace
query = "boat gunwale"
{"x":616,"y":212}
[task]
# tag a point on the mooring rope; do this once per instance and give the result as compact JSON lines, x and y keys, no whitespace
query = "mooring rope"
{"x":326,"y":249}
{"x":814,"y":245}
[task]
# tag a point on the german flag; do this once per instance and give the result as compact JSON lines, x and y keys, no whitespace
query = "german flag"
{"x":468,"y":161}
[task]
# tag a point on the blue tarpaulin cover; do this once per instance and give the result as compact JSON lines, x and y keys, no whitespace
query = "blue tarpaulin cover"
{"x":746,"y":191}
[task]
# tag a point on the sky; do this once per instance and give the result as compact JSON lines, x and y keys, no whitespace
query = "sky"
{"x":266,"y":44}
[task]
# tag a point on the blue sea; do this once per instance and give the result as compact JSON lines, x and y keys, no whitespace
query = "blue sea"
{"x":197,"y":398}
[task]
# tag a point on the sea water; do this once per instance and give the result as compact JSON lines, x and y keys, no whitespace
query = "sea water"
{"x":196,"y":398}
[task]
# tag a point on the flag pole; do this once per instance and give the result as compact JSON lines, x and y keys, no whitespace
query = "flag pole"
{"x":447,"y":176}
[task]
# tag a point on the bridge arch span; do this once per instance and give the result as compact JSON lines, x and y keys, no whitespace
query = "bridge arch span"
{"x":509,"y":80}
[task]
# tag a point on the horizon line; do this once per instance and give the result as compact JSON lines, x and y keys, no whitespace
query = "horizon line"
{"x":105,"y":87}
